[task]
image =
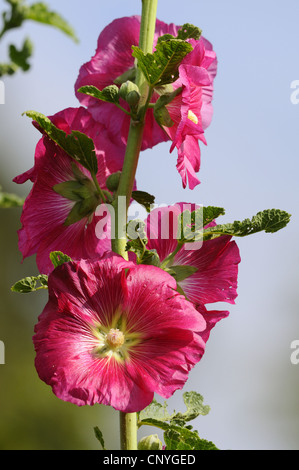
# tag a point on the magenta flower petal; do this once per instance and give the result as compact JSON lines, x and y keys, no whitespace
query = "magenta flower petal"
{"x":112,"y":58}
{"x":216,"y":261}
{"x":115,"y":333}
{"x":45,"y":211}
{"x":191,"y":111}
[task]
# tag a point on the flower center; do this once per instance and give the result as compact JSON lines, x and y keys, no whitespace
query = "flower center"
{"x":115,"y":339}
{"x":192,"y":117}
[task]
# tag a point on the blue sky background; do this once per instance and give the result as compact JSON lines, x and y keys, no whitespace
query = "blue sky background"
{"x":249,"y":164}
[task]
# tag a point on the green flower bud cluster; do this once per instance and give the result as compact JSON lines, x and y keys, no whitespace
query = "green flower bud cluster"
{"x":130,"y":93}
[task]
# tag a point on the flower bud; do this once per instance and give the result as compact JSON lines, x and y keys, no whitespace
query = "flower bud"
{"x":112,"y":181}
{"x":151,"y":442}
{"x":130,"y":93}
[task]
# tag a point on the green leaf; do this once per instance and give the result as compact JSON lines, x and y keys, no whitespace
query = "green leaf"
{"x":40,"y":12}
{"x":155,"y":411}
{"x":194,"y":405}
{"x":210,"y":213}
{"x":110,"y":94}
{"x":144,"y":198}
{"x":270,"y":221}
{"x":31,"y":284}
{"x":177,"y":435}
{"x":8,"y":200}
{"x":161,"y":67}
{"x":58,"y":258}
{"x":191,"y":223}
{"x":99,"y":436}
{"x":159,"y":413}
{"x":180,"y":438}
{"x":77,"y":145}
{"x":20,"y":57}
{"x":187,"y":31}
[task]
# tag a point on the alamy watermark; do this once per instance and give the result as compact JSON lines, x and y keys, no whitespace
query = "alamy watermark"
{"x":167,"y":222}
{"x":2,"y":92}
{"x":2,"y":353}
{"x":295,"y":94}
{"x":295,"y":354}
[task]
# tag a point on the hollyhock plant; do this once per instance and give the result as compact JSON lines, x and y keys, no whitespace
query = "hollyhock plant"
{"x":191,"y":111}
{"x":129,"y":316}
{"x":116,"y":333}
{"x":214,"y":262}
{"x":58,"y":214}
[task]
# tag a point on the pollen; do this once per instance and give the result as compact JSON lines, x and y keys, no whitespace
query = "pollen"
{"x":115,"y":339}
{"x":192,"y":117}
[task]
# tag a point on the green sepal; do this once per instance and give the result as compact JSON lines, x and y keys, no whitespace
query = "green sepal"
{"x":151,"y":257}
{"x":162,"y":117}
{"x":77,"y":190}
{"x":31,"y":284}
{"x":77,"y":145}
{"x":161,"y":67}
{"x":69,"y":189}
{"x":127,"y":75}
{"x":58,"y":258}
{"x":81,"y":209}
{"x":181,"y":272}
{"x":161,"y":113}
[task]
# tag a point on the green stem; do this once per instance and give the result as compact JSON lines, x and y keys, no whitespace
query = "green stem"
{"x":128,"y":431}
{"x":99,"y":190}
{"x":128,"y":421}
{"x":126,"y":183}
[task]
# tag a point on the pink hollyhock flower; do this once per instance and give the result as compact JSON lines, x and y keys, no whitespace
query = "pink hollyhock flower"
{"x":191,"y":111}
{"x":215,"y":261}
{"x":115,"y":333}
{"x":50,"y":220}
